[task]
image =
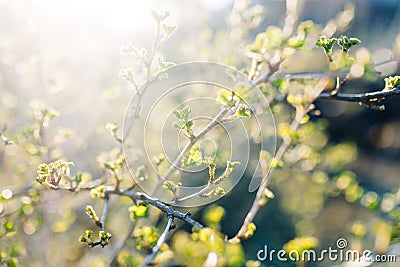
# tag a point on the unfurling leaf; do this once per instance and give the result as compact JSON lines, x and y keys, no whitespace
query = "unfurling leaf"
{"x":87,"y":237}
{"x":104,"y":238}
{"x":346,"y":43}
{"x":184,"y":123}
{"x":163,"y":65}
{"x":92,"y":214}
{"x":243,"y":111}
{"x":391,"y":82}
{"x":194,"y":158}
{"x":327,"y":45}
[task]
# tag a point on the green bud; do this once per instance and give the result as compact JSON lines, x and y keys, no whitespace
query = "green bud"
{"x":92,"y":214}
{"x":210,"y":162}
{"x":98,"y":191}
{"x":104,"y":238}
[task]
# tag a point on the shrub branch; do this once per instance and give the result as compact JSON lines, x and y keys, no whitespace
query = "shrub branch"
{"x":241,"y":234}
{"x":163,"y":237}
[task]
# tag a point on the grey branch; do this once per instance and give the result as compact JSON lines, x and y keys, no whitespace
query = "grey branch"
{"x":369,"y":99}
{"x":105,"y":212}
{"x":163,"y":237}
{"x":160,"y":205}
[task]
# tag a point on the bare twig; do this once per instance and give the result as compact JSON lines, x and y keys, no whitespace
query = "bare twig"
{"x":160,"y":205}
{"x":163,"y":237}
{"x":369,"y":99}
{"x":105,"y":212}
{"x":278,"y":157}
{"x":171,"y":214}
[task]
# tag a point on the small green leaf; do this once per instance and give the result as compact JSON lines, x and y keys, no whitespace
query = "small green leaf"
{"x":163,"y":65}
{"x":184,"y":123}
{"x":227,"y":98}
{"x":109,"y":166}
{"x":243,"y":111}
{"x":194,"y":158}
{"x":346,"y":43}
{"x":78,"y":178}
{"x":327,"y":45}
{"x":189,"y":124}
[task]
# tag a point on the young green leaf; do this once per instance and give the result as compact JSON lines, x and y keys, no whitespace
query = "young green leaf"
{"x":327,"y":45}
{"x":346,"y":43}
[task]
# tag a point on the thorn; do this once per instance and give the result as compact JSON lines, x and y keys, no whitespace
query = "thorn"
{"x":336,"y":91}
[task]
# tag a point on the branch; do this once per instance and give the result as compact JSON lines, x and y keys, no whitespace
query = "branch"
{"x":152,"y":201}
{"x":370,"y":99}
{"x":177,"y":162}
{"x":105,"y":212}
{"x":160,"y":205}
{"x":149,"y":258}
{"x":300,"y":113}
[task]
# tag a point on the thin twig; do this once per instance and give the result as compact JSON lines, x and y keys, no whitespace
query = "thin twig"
{"x":163,"y":237}
{"x":105,"y":212}
{"x":160,"y":205}
{"x":177,"y":162}
{"x":278,"y":157}
{"x":153,"y":202}
{"x":365,"y":98}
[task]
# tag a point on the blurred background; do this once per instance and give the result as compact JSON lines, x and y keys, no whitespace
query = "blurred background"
{"x":65,"y":55}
